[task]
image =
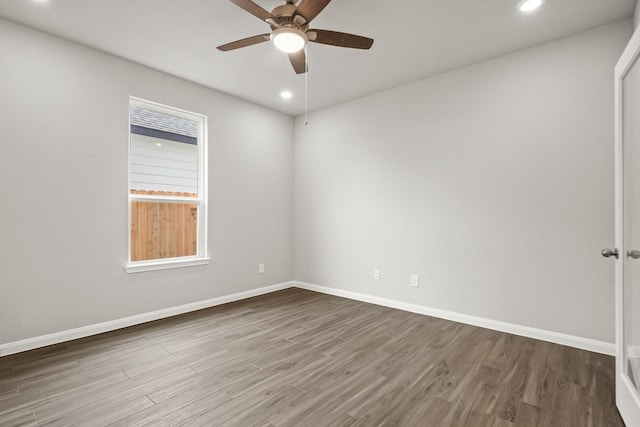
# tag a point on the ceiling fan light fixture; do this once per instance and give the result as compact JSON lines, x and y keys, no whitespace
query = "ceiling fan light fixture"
{"x":289,"y":40}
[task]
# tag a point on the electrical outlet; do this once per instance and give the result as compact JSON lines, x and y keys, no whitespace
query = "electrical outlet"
{"x":260,"y":268}
{"x":415,"y":280}
{"x":376,"y":274}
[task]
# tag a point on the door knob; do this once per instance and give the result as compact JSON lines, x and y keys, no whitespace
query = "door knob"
{"x":606,"y":252}
{"x":635,"y":254}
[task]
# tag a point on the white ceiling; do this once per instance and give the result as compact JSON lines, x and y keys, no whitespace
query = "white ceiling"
{"x":414,"y":39}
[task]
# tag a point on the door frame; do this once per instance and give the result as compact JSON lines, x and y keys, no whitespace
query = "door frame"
{"x":627,"y":399}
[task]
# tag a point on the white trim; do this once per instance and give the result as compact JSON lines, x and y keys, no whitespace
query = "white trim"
{"x":627,"y":396}
{"x":141,"y":266}
{"x":147,"y":197}
{"x":203,"y":187}
{"x":525,"y":331}
{"x":627,"y":400}
{"x":157,"y":105}
{"x":621,"y":69}
{"x":633,"y":351}
{"x":202,"y":200}
{"x":58,"y":337}
{"x":98,"y":328}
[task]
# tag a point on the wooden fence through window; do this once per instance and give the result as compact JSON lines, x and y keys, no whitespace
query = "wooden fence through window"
{"x":161,"y":229}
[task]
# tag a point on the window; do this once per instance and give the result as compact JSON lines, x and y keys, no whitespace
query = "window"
{"x":167,"y":191}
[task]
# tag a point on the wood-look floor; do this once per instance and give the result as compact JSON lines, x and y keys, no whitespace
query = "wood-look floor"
{"x":299,"y":358}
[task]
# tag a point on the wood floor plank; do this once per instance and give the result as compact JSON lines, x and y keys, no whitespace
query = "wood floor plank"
{"x":21,"y":404}
{"x":280,"y":402}
{"x":213,"y":379}
{"x":183,"y":405}
{"x":300,"y":358}
{"x":320,"y":405}
{"x":343,"y":420}
{"x":123,"y":391}
{"x":528,"y":415}
{"x":100,"y":414}
{"x":177,"y":361}
{"x":18,"y":419}
{"x":8,"y":389}
{"x":206,"y":413}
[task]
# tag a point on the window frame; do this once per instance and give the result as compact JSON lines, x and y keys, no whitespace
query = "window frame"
{"x":201,"y":256}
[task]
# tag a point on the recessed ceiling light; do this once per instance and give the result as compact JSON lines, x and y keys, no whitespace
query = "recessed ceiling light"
{"x":158,"y":144}
{"x":529,"y":5}
{"x":286,"y":94}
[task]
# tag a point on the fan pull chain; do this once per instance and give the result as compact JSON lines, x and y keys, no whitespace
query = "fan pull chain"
{"x":306,"y":83}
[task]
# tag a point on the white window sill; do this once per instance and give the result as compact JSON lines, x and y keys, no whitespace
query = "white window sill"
{"x":139,"y":267}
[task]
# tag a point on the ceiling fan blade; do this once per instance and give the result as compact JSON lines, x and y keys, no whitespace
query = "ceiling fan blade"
{"x":309,"y":9}
{"x":249,"y":41}
{"x":335,"y":38}
{"x":253,"y":9}
{"x":299,"y":61}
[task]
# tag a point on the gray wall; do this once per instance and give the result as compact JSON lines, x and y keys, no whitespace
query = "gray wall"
{"x":494,"y":183}
{"x":63,"y":187}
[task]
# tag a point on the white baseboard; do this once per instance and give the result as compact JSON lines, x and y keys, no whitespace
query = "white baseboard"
{"x":525,"y":331}
{"x":98,"y":328}
{"x":85,"y":331}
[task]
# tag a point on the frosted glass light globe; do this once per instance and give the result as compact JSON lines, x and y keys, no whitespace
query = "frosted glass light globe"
{"x":289,"y":40}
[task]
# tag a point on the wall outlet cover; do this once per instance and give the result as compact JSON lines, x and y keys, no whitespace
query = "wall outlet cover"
{"x":415,"y":281}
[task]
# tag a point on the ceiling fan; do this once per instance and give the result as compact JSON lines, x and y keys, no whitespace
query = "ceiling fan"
{"x":290,"y":30}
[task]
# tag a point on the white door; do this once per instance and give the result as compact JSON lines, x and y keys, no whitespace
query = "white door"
{"x":627,"y":222}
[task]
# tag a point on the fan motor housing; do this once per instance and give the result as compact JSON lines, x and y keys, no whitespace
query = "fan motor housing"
{"x":284,"y":18}
{"x":284,"y":10}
